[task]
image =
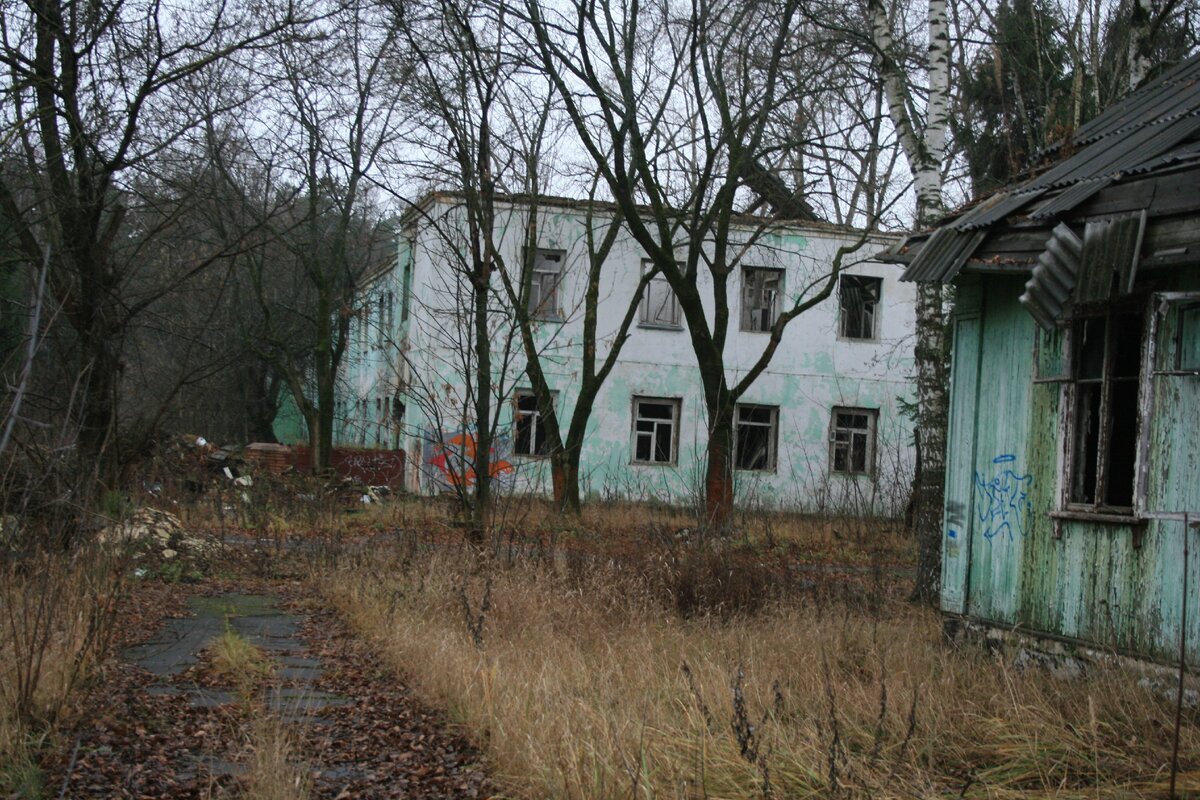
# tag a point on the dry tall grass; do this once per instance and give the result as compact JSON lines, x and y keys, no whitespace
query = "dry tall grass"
{"x":586,"y":683}
{"x":273,"y":773}
{"x":56,"y":615}
{"x":617,"y":525}
{"x":239,"y":663}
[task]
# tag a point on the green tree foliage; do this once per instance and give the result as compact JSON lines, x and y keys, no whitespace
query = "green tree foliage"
{"x":1015,"y":98}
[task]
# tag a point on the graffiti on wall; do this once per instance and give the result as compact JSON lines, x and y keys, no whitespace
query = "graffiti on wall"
{"x":1002,"y":499}
{"x":372,"y":467}
{"x":448,"y":458}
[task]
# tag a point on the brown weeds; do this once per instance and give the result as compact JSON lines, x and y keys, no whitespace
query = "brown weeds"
{"x":593,"y":685}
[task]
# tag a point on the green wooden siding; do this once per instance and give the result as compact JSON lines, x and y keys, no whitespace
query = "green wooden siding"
{"x":956,"y":552}
{"x":1090,"y":583}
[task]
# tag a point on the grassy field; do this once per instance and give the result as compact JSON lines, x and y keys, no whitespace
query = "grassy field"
{"x":587,"y":678}
{"x":628,"y":655}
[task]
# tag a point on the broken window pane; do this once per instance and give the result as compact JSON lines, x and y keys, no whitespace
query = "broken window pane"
{"x":1107,"y":356}
{"x":1089,"y":348}
{"x":655,"y":427}
{"x":859,"y":298}
{"x":852,"y":441}
{"x":660,"y":307}
{"x":1122,"y":444}
{"x":544,"y":283}
{"x":761,"y":293}
{"x":755,"y":437}
{"x":529,"y":429}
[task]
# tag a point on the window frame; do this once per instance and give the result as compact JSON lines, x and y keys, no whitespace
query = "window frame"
{"x":749,"y":321}
{"x":872,"y":442}
{"x":676,"y":405}
{"x":645,"y":320}
{"x":1069,"y":443}
{"x":536,"y":413}
{"x":876,"y":306}
{"x":772,"y":463}
{"x":538,"y":310}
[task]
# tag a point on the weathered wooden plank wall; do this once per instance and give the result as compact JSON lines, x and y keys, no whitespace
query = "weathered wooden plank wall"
{"x":1091,"y":583}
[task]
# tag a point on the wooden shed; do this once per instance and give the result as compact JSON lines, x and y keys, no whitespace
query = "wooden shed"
{"x":1073,"y":463}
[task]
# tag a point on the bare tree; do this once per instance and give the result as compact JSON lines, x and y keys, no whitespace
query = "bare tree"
{"x":94,"y":95}
{"x":673,"y":107}
{"x":461,"y":70}
{"x":526,"y":105}
{"x":317,"y":139}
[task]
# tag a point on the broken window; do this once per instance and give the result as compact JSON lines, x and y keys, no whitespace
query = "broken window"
{"x":655,"y":430}
{"x":852,"y":441}
{"x":1106,"y":361}
{"x":545,"y":278}
{"x":660,"y":307}
{"x":529,"y":429}
{"x":859,"y":297}
{"x":761,"y":292}
{"x":756,"y":435}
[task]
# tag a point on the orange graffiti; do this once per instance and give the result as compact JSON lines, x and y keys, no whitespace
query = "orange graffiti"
{"x":465,"y":444}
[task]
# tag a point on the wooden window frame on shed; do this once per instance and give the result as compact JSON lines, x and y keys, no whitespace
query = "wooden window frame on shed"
{"x":1090,"y":456}
{"x":1156,"y":365}
{"x":1159,"y":358}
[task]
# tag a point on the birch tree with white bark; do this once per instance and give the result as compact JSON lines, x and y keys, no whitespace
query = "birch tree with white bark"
{"x":921,"y":127}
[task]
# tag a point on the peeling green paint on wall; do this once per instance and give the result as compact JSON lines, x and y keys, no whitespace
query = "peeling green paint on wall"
{"x":1091,"y":582}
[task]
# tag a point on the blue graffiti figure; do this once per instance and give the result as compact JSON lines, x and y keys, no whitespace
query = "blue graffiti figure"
{"x":1003,"y":500}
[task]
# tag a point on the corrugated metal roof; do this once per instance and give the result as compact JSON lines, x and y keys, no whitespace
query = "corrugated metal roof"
{"x":1153,"y":127}
{"x":1170,"y":92}
{"x":943,"y":255}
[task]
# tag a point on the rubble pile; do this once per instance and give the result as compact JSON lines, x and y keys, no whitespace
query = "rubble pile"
{"x":157,"y":539}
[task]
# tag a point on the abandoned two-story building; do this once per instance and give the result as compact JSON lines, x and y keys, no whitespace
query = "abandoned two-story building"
{"x":1073,"y":464}
{"x":822,"y":426}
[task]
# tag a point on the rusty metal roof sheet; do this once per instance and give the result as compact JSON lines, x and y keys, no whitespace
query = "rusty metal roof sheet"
{"x":1155,"y":126}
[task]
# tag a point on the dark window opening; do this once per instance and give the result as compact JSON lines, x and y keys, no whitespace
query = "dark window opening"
{"x":756,"y":437}
{"x":530,"y":437}
{"x":852,"y":441}
{"x":859,"y":297}
{"x":1187,"y":346}
{"x":1107,"y":356}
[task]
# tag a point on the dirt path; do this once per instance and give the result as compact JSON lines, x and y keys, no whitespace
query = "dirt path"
{"x":161,"y":725}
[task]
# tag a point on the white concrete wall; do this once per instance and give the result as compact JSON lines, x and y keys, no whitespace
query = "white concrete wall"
{"x":812,"y":371}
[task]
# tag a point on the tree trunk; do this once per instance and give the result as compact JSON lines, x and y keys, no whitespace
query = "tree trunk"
{"x":718,"y":477}
{"x":932,"y":406}
{"x":98,"y":416}
{"x":564,"y":470}
{"x":1140,"y":30}
{"x":482,"y":461}
{"x":925,"y":150}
